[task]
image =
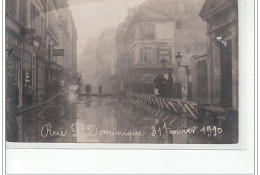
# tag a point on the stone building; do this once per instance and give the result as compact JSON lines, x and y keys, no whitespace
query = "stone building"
{"x":25,"y":34}
{"x":143,"y":40}
{"x":104,"y":58}
{"x":67,"y":39}
{"x":221,"y":63}
{"x":30,"y":26}
{"x":171,"y":26}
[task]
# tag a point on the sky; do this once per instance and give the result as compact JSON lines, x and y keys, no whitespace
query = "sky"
{"x":92,"y":17}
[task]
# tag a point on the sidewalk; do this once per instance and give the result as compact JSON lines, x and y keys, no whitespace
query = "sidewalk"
{"x":40,"y":104}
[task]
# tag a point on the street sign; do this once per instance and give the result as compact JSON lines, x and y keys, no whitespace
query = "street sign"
{"x":58,"y":52}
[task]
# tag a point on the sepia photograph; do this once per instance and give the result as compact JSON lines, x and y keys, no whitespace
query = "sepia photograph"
{"x":122,"y":71}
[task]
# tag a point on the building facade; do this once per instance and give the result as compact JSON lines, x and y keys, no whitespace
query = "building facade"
{"x":104,"y":58}
{"x":157,"y":31}
{"x":143,"y":40}
{"x":30,"y":25}
{"x":222,"y":59}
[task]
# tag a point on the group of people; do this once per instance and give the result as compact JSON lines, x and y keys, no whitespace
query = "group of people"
{"x":163,"y":86}
{"x":13,"y":95}
{"x":88,"y":89}
{"x":142,"y":87}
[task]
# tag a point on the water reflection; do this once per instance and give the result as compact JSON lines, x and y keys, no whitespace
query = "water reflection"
{"x":107,"y":120}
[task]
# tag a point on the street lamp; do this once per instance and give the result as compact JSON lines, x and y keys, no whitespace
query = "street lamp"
{"x":163,"y":61}
{"x":178,"y":61}
{"x":37,"y":41}
{"x":52,"y":43}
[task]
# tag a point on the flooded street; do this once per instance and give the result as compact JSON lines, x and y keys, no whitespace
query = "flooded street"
{"x":93,"y":119}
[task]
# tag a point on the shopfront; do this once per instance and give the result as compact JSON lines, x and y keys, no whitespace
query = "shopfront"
{"x":13,"y":61}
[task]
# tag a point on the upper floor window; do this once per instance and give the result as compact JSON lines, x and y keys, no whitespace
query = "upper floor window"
{"x":148,"y":31}
{"x":23,"y":12}
{"x":13,"y":8}
{"x":36,"y":20}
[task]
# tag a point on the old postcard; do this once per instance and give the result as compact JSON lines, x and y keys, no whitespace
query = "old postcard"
{"x":122,"y":71}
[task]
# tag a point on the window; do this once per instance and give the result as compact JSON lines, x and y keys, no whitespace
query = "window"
{"x":13,"y":8}
{"x":178,"y":24}
{"x":148,"y":31}
{"x":36,"y":20}
{"x":147,"y":55}
{"x":23,"y":12}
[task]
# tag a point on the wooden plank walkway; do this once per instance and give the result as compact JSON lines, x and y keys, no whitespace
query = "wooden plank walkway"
{"x":96,"y":94}
{"x":174,"y":105}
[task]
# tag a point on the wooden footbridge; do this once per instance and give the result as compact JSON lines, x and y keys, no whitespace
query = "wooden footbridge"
{"x":174,"y":105}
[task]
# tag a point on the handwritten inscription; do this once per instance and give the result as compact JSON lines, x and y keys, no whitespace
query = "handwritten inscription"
{"x":165,"y":131}
{"x":88,"y":130}
{"x":92,"y":130}
{"x":48,"y":131}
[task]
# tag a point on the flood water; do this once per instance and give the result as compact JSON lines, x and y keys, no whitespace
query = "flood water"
{"x":111,"y":120}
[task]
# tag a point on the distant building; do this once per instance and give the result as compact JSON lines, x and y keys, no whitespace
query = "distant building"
{"x":87,"y":62}
{"x":221,"y":64}
{"x":143,"y":40}
{"x":104,"y":57}
{"x":157,"y":30}
{"x":67,"y":36}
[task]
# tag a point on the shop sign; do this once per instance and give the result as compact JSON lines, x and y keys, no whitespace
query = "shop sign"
{"x":10,"y":68}
{"x":165,"y":53}
{"x":58,"y":52}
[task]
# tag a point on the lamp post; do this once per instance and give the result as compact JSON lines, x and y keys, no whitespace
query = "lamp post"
{"x":163,"y":61}
{"x":52,"y":43}
{"x":178,"y":61}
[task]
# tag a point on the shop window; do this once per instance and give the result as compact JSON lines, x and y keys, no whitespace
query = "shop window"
{"x":147,"y":55}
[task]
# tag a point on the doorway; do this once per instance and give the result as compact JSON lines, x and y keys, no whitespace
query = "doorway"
{"x":226,"y":74}
{"x":202,"y":81}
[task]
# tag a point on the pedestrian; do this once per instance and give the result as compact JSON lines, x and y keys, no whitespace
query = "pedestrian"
{"x":87,"y":88}
{"x":29,"y":91}
{"x":100,"y":89}
{"x":162,"y":86}
{"x":169,"y":85}
{"x":62,"y":85}
{"x":156,"y":84}
{"x":12,"y":96}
